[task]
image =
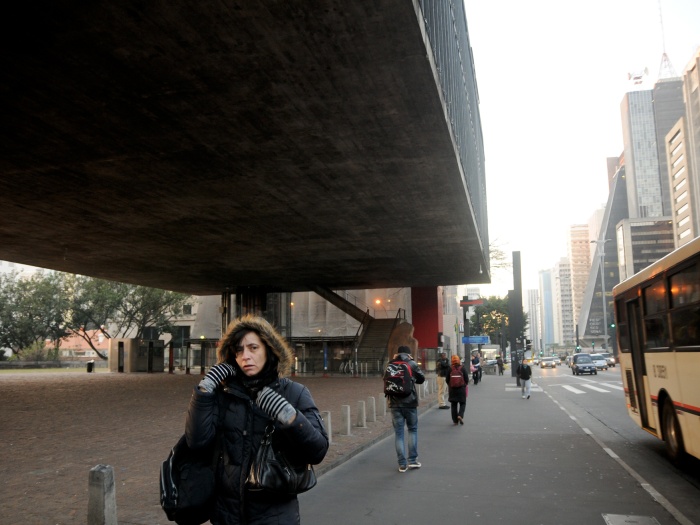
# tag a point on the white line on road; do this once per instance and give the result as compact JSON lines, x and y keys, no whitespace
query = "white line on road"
{"x":574,"y":389}
{"x":595,"y":388}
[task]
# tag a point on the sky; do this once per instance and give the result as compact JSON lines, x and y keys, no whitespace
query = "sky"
{"x":551,"y":77}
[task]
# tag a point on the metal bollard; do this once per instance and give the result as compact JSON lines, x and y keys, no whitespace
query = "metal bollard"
{"x":326,"y":416}
{"x":102,"y":501}
{"x":345,"y":420}
{"x":361,"y":415}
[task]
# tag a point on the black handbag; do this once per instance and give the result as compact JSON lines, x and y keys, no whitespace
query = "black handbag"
{"x":271,"y":470}
{"x":188,"y":479}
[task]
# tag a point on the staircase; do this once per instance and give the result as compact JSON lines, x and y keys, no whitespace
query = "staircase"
{"x":374,"y":340}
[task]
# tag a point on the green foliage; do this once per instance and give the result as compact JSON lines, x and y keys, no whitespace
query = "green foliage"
{"x":493,"y":318}
{"x":54,"y":305}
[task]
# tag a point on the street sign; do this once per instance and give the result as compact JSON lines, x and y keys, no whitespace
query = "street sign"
{"x":477,"y":339}
{"x":473,"y":302}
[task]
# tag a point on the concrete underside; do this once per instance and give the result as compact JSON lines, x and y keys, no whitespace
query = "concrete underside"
{"x":198,"y":147}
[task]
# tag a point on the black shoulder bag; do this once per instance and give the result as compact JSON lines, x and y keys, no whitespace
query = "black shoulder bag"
{"x":187,"y":477}
{"x":271,"y":469}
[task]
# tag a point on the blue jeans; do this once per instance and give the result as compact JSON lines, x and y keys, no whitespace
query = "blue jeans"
{"x":409,"y":417}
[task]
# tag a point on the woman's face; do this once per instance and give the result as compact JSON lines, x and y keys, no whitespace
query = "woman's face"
{"x":251,"y":354}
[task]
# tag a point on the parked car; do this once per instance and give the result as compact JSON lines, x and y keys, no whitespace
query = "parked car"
{"x":599,"y":361}
{"x":583,"y":364}
{"x":609,"y":358}
{"x":549,"y":362}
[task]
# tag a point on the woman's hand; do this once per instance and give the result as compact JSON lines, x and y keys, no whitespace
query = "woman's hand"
{"x":276,"y":406}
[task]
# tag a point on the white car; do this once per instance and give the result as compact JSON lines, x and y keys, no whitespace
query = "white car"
{"x":599,"y":362}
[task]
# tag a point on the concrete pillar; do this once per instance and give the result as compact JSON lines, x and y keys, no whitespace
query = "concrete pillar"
{"x":371,"y":410}
{"x":382,"y":408}
{"x":326,"y":416}
{"x":361,"y":415}
{"x":345,"y":420}
{"x":102,"y":500}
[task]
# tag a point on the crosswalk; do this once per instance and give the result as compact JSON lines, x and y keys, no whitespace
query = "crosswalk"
{"x":604,"y":387}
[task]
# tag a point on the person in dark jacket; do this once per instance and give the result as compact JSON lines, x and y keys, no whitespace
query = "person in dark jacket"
{"x":443,"y":370}
{"x":404,"y":412}
{"x":524,"y":372}
{"x":458,"y":395}
{"x":249,"y":380}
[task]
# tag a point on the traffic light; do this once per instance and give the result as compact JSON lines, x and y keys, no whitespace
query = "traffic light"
{"x":612,"y":325}
{"x":528,"y":344}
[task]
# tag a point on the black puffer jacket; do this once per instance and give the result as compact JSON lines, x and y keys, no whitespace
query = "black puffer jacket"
{"x":304,"y":441}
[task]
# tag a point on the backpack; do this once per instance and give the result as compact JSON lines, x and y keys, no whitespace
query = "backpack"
{"x":456,"y":377}
{"x":398,"y":379}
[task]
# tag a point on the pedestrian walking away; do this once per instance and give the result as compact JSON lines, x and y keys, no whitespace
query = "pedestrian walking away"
{"x":524,"y":372}
{"x":476,"y":363}
{"x":404,"y":408}
{"x":253,"y":361}
{"x":458,"y":381}
{"x":443,"y":370}
{"x":499,"y":362}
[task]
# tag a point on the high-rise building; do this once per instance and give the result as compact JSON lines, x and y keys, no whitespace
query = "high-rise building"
{"x":580,"y":261}
{"x":563,"y":301}
{"x":547,"y":314}
{"x":532,"y":307}
{"x":682,"y":153}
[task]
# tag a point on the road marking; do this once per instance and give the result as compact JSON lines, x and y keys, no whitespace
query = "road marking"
{"x":574,"y":389}
{"x":596,"y":388}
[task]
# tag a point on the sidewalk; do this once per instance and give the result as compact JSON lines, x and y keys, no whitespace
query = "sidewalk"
{"x":56,"y":426}
{"x":514,"y":460}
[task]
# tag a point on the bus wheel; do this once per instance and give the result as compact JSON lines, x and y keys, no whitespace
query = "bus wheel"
{"x":672,"y":433}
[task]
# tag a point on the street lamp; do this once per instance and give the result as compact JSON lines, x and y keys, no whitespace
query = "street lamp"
{"x":378,"y":302}
{"x":600,"y":244}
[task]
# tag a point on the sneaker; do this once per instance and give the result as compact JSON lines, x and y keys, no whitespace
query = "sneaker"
{"x":461,"y":421}
{"x":528,"y":396}
{"x":444,"y":407}
{"x":523,"y":397}
{"x":414,"y":465}
{"x":403,"y":468}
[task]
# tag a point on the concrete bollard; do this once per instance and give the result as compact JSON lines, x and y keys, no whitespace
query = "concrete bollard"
{"x":326,"y":416}
{"x":371,"y":410}
{"x":102,"y":501}
{"x":345,"y":420}
{"x":361,"y":415}
{"x":382,"y":408}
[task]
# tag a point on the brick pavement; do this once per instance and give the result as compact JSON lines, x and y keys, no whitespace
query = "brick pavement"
{"x":56,"y":426}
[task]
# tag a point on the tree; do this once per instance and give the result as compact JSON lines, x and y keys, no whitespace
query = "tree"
{"x":492,"y":318}
{"x":56,"y":305}
{"x":32,"y":310}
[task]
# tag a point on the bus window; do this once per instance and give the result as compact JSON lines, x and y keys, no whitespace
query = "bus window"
{"x":685,"y":287}
{"x":654,"y":298}
{"x":686,"y":326}
{"x":655,"y":332}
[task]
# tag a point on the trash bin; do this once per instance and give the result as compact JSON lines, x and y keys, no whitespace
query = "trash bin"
{"x":90,"y":365}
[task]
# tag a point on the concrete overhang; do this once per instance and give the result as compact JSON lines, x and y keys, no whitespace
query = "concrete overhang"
{"x":198,"y":147}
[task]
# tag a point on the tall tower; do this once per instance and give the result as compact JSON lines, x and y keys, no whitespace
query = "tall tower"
{"x":580,"y":261}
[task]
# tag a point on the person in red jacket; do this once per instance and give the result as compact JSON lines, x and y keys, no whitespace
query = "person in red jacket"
{"x":458,"y":380}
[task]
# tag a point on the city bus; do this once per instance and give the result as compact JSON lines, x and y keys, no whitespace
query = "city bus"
{"x":657,"y":313}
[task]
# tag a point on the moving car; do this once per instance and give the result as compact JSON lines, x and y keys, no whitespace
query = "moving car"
{"x":549,"y":362}
{"x":609,"y":358}
{"x":599,"y":361}
{"x":583,"y":364}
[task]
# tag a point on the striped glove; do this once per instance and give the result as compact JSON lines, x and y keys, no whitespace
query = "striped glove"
{"x":216,"y":375}
{"x":276,"y":406}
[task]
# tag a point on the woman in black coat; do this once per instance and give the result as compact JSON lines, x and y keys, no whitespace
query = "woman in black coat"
{"x":249,"y":384}
{"x":457,"y":394}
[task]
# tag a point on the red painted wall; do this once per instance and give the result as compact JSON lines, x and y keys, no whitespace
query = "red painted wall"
{"x":426,"y":307}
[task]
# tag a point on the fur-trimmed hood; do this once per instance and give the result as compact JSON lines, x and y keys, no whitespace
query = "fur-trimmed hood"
{"x":277,"y":344}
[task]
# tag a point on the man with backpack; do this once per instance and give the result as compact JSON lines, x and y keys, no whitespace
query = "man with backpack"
{"x":400,"y":379}
{"x":458,"y":379}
